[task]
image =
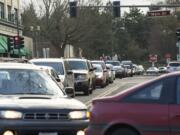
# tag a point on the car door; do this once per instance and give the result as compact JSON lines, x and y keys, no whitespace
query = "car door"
{"x":175,"y":110}
{"x":148,"y":108}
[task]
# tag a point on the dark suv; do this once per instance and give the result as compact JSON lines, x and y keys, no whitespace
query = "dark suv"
{"x":33,"y":104}
{"x":83,"y":75}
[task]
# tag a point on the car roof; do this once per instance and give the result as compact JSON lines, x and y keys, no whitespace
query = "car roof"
{"x":47,"y":60}
{"x":97,"y":65}
{"x":76,"y":59}
{"x":112,"y":61}
{"x":45,"y":67}
{"x":98,"y":61}
{"x":174,"y":62}
{"x":18,"y":66}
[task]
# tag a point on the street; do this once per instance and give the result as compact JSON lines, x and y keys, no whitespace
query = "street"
{"x":112,"y":89}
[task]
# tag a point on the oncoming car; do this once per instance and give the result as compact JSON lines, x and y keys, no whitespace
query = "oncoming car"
{"x":150,"y":108}
{"x":33,"y":104}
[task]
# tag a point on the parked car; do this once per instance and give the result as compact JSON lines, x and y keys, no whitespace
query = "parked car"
{"x":162,"y":69}
{"x":151,"y":108}
{"x":33,"y":104}
{"x":60,"y":66}
{"x":104,"y":69}
{"x":100,"y":75}
{"x":111,"y":72}
{"x":119,"y":70}
{"x":129,"y":65}
{"x":82,"y":74}
{"x":152,"y":71}
{"x":173,"y":66}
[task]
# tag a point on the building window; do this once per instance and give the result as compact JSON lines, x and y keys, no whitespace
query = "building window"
{"x":15,"y":15}
{"x":2,"y":10}
{"x":9,"y":13}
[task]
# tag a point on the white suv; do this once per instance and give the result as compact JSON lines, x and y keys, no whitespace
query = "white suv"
{"x":173,"y":66}
{"x":60,"y":66}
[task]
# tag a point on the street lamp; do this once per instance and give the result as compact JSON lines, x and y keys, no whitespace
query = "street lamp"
{"x":35,"y":37}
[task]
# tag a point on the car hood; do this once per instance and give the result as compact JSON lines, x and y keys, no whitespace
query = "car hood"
{"x":40,"y":102}
{"x":80,"y":71}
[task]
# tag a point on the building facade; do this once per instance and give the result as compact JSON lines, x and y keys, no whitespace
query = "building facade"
{"x":10,"y":26}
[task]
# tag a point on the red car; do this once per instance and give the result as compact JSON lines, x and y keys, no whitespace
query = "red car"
{"x":151,"y":108}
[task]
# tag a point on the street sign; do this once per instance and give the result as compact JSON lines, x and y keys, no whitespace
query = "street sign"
{"x":167,"y":56}
{"x":152,"y":58}
{"x":159,"y":13}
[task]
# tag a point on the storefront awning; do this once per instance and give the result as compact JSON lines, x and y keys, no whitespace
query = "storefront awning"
{"x":3,"y":44}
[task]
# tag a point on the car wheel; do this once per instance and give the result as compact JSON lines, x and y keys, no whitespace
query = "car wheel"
{"x":87,"y":92}
{"x":124,"y":131}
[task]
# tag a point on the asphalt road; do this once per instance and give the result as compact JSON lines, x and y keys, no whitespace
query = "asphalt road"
{"x":112,"y":89}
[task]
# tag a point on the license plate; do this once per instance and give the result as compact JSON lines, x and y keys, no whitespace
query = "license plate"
{"x":43,"y":133}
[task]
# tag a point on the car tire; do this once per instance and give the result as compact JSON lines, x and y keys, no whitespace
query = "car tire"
{"x":87,"y":92}
{"x":124,"y":131}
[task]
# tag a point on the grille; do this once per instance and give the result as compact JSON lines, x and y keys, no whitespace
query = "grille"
{"x":45,"y":116}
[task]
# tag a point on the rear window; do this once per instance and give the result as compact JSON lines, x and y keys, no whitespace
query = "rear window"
{"x":174,"y":64}
{"x":78,"y":65}
{"x":113,"y":63}
{"x":58,"y":66}
{"x":101,"y":63}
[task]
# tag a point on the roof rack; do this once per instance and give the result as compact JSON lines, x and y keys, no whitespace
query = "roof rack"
{"x":13,"y":60}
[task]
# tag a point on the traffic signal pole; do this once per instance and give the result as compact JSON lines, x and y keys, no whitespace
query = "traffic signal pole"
{"x":17,"y":21}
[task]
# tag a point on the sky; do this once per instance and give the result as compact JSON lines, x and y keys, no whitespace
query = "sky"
{"x":123,"y":2}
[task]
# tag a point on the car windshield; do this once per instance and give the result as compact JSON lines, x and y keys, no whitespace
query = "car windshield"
{"x":174,"y":64}
{"x":58,"y":66}
{"x":78,"y":65}
{"x":18,"y":81}
{"x":114,"y":63}
{"x":98,"y":69}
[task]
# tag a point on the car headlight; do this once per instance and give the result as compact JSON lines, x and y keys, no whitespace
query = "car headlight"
{"x":82,"y":77}
{"x":78,"y":115}
{"x":10,"y":115}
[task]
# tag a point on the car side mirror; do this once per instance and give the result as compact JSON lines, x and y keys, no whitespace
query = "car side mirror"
{"x":58,"y":80}
{"x":108,"y":68}
{"x":69,"y":72}
{"x":69,"y":91}
{"x":91,"y":69}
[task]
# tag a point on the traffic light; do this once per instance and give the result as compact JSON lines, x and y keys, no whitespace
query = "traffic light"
{"x":178,"y":34}
{"x":18,"y":42}
{"x":10,"y":43}
{"x":73,"y":8}
{"x":21,"y":42}
{"x":116,"y":9}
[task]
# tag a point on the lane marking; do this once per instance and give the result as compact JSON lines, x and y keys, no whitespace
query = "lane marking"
{"x":105,"y":93}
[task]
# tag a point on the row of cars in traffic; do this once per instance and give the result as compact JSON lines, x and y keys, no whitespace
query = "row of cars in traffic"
{"x":33,"y":103}
{"x":35,"y":95}
{"x":171,"y":67}
{"x":84,"y":75}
